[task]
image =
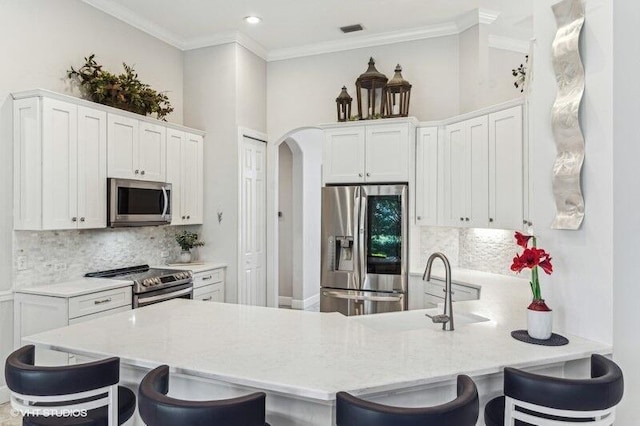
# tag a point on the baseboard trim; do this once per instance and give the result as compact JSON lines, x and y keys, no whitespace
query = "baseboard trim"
{"x":4,"y":394}
{"x":304,"y":304}
{"x":284,"y":301}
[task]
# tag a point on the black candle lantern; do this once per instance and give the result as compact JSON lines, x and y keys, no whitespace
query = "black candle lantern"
{"x":371,"y":88}
{"x":398,"y":95}
{"x":343,"y":104}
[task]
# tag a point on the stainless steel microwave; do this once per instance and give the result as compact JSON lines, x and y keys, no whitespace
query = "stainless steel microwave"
{"x":138,"y":203}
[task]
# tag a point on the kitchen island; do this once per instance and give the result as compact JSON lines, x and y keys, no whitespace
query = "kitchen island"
{"x":301,"y":359}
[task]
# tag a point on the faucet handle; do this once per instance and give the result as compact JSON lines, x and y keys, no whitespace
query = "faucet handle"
{"x":438,"y":319}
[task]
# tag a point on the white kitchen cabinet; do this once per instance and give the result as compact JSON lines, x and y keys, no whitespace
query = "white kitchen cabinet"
{"x":59,"y":165}
{"x":186,"y":175}
{"x":35,"y":313}
{"x":506,"y":169}
{"x":368,"y":153}
{"x":208,"y":285}
{"x":136,"y":149}
{"x":465,"y":173}
{"x":426,"y":195}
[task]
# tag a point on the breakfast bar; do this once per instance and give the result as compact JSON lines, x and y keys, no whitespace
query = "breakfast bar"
{"x":301,"y":359}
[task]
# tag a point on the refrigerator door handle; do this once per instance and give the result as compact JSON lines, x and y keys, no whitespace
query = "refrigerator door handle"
{"x":339,"y":295}
{"x":362,"y":246}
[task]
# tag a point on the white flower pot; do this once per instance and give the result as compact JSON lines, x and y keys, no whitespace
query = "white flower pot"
{"x":185,"y":256}
{"x":539,"y":324}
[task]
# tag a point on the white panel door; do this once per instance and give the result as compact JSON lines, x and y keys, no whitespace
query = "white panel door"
{"x":92,"y":168}
{"x":506,"y":173}
{"x":27,"y":173}
{"x":152,"y":152}
{"x":427,"y":177}
{"x":175,"y":140}
{"x":387,"y":153}
{"x":192,"y":178}
{"x":59,"y":165}
{"x":343,"y":154}
{"x":122,"y":147}
{"x":455,"y":172}
{"x":252,"y":286}
{"x":477,"y":207}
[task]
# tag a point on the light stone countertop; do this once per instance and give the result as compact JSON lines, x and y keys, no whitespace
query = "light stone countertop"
{"x":195,"y":267}
{"x":314,"y":355}
{"x":77,"y":287}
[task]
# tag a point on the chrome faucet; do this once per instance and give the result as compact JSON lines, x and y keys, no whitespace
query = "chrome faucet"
{"x":447,"y":318}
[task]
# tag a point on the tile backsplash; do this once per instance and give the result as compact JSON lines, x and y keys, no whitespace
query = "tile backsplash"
{"x":486,"y":250}
{"x":55,"y":256}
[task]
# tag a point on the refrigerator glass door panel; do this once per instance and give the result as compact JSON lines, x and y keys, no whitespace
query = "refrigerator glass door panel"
{"x":384,"y":233}
{"x":351,"y":303}
{"x":339,"y":232}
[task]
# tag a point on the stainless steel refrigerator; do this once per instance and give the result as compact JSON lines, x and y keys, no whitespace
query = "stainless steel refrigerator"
{"x":364,"y":267}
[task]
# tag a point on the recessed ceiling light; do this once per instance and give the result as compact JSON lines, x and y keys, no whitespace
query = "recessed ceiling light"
{"x":253,"y":19}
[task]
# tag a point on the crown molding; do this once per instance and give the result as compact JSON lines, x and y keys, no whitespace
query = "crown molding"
{"x":363,"y":41}
{"x":508,"y":43}
{"x":226,"y":38}
{"x":129,"y":17}
{"x":486,"y":16}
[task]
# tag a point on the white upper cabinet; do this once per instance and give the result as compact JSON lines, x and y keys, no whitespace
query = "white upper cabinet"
{"x":506,"y":171}
{"x":483,"y":171}
{"x":185,"y":173}
{"x":60,"y":165}
{"x":427,"y":176}
{"x":368,"y":153}
{"x":137,"y":149}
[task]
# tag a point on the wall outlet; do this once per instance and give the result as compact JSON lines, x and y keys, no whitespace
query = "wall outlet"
{"x":22,"y":263}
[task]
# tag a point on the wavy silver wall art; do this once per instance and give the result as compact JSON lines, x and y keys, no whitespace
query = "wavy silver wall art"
{"x":569,"y":139}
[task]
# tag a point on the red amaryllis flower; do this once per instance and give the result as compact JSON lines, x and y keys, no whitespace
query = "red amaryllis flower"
{"x":522,"y":240}
{"x":546,"y":265}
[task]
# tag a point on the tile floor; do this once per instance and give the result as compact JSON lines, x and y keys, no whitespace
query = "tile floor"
{"x":6,"y":417}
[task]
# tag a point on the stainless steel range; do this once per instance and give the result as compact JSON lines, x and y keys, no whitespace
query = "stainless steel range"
{"x":152,"y":285}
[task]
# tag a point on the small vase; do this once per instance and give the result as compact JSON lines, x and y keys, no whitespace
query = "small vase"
{"x":185,"y":256}
{"x":539,"y":320}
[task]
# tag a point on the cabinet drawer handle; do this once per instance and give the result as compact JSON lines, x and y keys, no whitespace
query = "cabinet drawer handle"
{"x":137,"y":172}
{"x":207,"y":299}
{"x":360,"y":174}
{"x":100,"y":302}
{"x":207,"y":278}
{"x":142,"y":172}
{"x":444,"y":290}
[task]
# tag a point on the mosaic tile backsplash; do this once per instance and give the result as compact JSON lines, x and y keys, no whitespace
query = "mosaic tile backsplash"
{"x":486,"y":250}
{"x":55,"y":256}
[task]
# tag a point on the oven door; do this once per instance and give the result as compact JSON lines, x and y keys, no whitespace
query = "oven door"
{"x":138,"y":203}
{"x":184,"y":291}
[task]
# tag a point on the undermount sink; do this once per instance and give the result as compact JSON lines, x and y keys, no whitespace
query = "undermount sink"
{"x":413,"y":320}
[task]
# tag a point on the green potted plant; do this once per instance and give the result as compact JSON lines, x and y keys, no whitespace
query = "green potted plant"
{"x":187,"y":240}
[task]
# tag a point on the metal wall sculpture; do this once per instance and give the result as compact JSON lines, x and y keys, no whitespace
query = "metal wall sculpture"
{"x":568,"y":135}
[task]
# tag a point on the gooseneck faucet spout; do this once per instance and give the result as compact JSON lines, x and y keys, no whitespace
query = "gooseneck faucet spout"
{"x":447,"y":318}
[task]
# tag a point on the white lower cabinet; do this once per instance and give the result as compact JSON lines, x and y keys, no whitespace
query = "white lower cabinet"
{"x":208,"y":285}
{"x":35,"y":313}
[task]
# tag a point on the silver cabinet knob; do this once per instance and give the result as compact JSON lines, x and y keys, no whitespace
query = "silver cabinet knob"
{"x":82,"y":219}
{"x":184,"y":217}
{"x":188,"y":217}
{"x":490,"y":220}
{"x":368,"y":174}
{"x":137,"y":172}
{"x":466,"y":219}
{"x":419,"y":217}
{"x":142,"y":172}
{"x":524,"y":222}
{"x":462,"y":219}
{"x":74,"y":219}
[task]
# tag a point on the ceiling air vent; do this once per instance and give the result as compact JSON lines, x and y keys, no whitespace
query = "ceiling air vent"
{"x":351,"y":28}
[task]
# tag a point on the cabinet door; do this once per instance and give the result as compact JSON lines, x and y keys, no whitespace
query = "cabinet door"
{"x":59,"y":165}
{"x":455,"y":175}
{"x":343,"y":160}
{"x":192,"y":178}
{"x":427,"y":177}
{"x":122,"y":147}
{"x":27,"y":164}
{"x":477,"y":183}
{"x":152,"y":152}
{"x":506,"y":184}
{"x":92,"y":168}
{"x":387,"y":153}
{"x":175,"y":140}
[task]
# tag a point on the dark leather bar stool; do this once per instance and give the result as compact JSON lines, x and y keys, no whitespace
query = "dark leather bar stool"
{"x":462,"y":411}
{"x":532,"y":399}
{"x":157,"y":409}
{"x":90,"y":388}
